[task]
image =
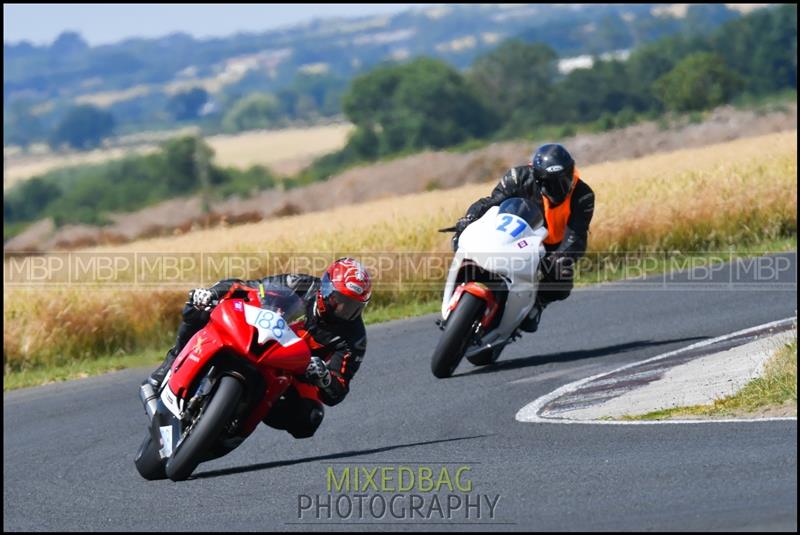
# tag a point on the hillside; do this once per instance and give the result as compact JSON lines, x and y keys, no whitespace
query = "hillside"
{"x":417,"y":173}
{"x":135,"y":79}
{"x":637,"y":199}
{"x":285,"y":151}
{"x":743,"y":194}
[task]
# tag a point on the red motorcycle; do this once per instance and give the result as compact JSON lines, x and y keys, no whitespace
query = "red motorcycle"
{"x":225,"y":381}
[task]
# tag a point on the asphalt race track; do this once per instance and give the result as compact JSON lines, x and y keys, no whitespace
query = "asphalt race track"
{"x":68,"y":448}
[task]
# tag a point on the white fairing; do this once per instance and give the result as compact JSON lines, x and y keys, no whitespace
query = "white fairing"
{"x":171,"y":401}
{"x":506,"y":245}
{"x":166,"y":440}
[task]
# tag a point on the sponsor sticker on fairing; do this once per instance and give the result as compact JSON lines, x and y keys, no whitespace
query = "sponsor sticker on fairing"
{"x":270,"y":325}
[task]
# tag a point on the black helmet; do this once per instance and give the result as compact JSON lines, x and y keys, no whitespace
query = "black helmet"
{"x":553,"y":168}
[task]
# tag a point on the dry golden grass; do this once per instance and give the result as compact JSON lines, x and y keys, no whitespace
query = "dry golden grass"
{"x":664,"y":200}
{"x":51,"y":328}
{"x":269,"y":147}
{"x":738,"y":192}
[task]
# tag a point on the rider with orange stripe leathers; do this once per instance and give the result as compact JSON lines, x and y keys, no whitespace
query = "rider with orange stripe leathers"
{"x":334,"y":304}
{"x":552,"y":182}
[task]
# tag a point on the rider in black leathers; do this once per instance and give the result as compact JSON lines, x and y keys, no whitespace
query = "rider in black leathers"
{"x":551,"y":181}
{"x":338,"y":348}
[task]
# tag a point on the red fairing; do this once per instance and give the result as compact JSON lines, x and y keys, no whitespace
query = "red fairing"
{"x":293,"y":358}
{"x":193,"y":358}
{"x":229,"y":330}
{"x":226,"y":328}
{"x":230,"y":319}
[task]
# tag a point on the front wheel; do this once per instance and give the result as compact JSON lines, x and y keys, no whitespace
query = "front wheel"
{"x":207,"y":429}
{"x":485,"y":357}
{"x":456,"y":336}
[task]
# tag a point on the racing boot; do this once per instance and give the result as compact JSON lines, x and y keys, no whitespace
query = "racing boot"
{"x":531,"y":323}
{"x":157,"y":377}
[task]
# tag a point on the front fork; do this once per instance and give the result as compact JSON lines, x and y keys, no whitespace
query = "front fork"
{"x":167,"y":428}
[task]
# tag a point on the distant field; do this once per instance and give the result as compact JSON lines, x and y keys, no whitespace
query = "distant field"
{"x":645,"y":201}
{"x":730,"y":194}
{"x":286,"y":151}
{"x":23,"y":167}
{"x":277,"y":148}
{"x":107,"y":98}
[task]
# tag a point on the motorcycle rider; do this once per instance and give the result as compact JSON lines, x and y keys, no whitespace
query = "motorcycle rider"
{"x":334,"y":304}
{"x":553,"y":183}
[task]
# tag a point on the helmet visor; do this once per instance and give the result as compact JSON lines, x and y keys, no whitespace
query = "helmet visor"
{"x":339,"y":305}
{"x":556,"y":187}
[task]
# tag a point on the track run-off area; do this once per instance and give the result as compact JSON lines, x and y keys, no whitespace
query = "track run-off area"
{"x":69,"y":447}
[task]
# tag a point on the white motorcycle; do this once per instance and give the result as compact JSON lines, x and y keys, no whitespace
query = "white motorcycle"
{"x":491,"y":285}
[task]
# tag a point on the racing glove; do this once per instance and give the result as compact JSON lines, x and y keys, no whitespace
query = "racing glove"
{"x":201,"y":298}
{"x":558,"y":267}
{"x":461,"y":224}
{"x":317,"y":372}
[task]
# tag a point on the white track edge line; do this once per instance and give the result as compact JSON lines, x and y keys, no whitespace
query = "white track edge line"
{"x":529,"y":413}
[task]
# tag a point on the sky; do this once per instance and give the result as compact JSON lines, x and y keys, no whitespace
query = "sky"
{"x":109,"y":23}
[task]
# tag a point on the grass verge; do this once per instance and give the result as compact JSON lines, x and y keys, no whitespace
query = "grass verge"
{"x":426,"y":303}
{"x":738,"y":197}
{"x":80,"y":369}
{"x":775,"y":390}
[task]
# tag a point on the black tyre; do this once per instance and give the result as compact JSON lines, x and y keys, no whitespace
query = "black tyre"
{"x":487,"y":356}
{"x":483,"y":358}
{"x":456,"y":336}
{"x":148,"y":462}
{"x":212,"y":421}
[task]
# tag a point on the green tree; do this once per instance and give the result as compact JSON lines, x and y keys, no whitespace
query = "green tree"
{"x":316,"y":94}
{"x":187,"y":159}
{"x":700,"y":81}
{"x":762,"y":48}
{"x":20,"y":126}
{"x":186,"y":105}
{"x":258,"y":110}
{"x":69,"y":43}
{"x":586,"y":94}
{"x":516,"y":76}
{"x":83,"y":127}
{"x":25,"y":201}
{"x":421,"y":104}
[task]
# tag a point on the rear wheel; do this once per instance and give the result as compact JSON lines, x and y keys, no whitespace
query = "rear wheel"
{"x":457,"y":335}
{"x":218,"y":412}
{"x":148,"y":461}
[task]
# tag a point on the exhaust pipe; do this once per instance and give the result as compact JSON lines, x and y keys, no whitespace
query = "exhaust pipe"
{"x":149,"y":399}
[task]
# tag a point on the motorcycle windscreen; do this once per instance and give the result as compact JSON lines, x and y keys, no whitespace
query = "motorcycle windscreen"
{"x":525,"y":209}
{"x":280,"y":307}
